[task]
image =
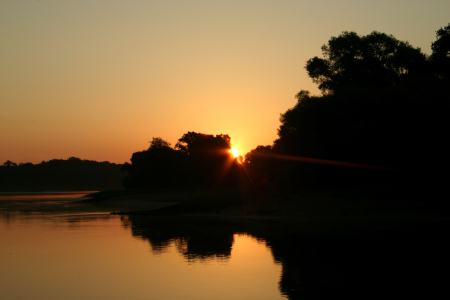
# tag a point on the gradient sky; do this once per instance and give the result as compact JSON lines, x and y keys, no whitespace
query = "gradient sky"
{"x":98,"y":79}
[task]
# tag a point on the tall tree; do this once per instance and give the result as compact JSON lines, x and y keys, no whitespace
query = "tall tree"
{"x":441,"y":51}
{"x":381,"y":104}
{"x":377,"y":59}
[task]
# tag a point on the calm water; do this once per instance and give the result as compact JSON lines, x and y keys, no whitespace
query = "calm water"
{"x":54,"y":247}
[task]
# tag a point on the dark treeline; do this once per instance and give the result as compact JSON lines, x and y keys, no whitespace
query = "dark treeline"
{"x":197,"y":160}
{"x":383,"y":103}
{"x":60,"y":174}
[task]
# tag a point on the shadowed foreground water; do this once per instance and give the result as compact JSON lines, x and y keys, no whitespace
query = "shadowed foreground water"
{"x":55,"y":248}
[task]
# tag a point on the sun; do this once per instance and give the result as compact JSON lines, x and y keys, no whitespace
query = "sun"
{"x":234,"y":151}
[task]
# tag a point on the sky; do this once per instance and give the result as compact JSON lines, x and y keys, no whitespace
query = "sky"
{"x":98,"y":79}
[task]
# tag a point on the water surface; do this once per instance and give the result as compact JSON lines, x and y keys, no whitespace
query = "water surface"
{"x":53,"y":248}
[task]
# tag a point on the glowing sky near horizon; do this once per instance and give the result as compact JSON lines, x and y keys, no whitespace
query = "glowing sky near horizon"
{"x":99,"y":79}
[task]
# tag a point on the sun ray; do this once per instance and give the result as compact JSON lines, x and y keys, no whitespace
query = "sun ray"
{"x":234,"y":151}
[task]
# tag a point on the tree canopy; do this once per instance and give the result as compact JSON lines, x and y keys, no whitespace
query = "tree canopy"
{"x":441,"y":51}
{"x":191,"y":143}
{"x":154,"y":167}
{"x":196,"y":160}
{"x":383,"y":103}
{"x":377,"y":59}
{"x":60,"y":174}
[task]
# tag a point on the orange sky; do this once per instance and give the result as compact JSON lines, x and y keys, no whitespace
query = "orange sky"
{"x":99,"y":79}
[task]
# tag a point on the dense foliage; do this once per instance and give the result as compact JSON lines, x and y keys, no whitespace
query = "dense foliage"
{"x":60,"y":174}
{"x":383,"y":103}
{"x":377,"y":60}
{"x":196,"y":160}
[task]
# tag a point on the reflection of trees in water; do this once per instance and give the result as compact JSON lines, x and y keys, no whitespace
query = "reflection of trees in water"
{"x":201,"y":247}
{"x":359,"y":259}
{"x":347,"y":261}
{"x":192,"y":237}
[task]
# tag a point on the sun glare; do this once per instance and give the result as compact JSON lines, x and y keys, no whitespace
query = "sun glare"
{"x":234,"y":151}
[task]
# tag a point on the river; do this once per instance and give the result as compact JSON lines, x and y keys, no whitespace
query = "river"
{"x":55,"y":247}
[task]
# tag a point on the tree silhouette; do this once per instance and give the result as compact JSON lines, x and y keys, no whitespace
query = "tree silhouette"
{"x":383,"y":103}
{"x":261,"y":165}
{"x":60,"y":174}
{"x":208,"y":156}
{"x":159,"y":166}
{"x":441,"y":51}
{"x":196,"y":160}
{"x":376,"y":59}
{"x":9,"y":163}
{"x":192,"y":143}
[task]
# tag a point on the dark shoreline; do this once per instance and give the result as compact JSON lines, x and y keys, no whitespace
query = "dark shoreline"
{"x":362,"y":203}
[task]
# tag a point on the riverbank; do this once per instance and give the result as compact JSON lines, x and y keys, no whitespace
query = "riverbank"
{"x":359,"y":204}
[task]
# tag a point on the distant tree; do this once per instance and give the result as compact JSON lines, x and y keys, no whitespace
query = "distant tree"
{"x":159,"y":143}
{"x":193,"y":143}
{"x":377,"y":60}
{"x":160,"y":166}
{"x":73,"y":158}
{"x":60,"y":174}
{"x":197,"y":160}
{"x":208,"y":156}
{"x":9,"y":163}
